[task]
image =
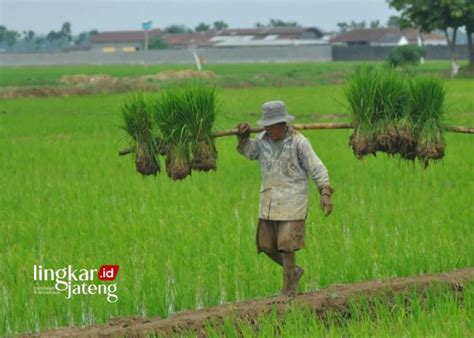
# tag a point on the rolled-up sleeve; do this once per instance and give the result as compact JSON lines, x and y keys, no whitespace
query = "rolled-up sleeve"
{"x":311,"y":163}
{"x":249,"y":148}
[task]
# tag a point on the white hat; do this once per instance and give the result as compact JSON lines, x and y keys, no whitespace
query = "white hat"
{"x":274,"y":112}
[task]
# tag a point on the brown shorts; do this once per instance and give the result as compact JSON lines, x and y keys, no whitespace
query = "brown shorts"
{"x":279,"y":236}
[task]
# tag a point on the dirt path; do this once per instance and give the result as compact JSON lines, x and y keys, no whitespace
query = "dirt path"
{"x":335,"y":298}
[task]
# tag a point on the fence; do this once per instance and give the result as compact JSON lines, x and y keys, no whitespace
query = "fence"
{"x":274,"y":54}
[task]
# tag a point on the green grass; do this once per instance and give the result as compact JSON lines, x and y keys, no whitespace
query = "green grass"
{"x":67,"y":198}
{"x":236,"y":75}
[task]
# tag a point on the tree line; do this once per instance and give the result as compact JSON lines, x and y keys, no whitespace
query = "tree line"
{"x":30,"y":41}
{"x":393,"y":21}
{"x":220,"y":25}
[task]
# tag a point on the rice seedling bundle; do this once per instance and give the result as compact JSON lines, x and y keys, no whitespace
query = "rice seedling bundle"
{"x":139,"y":126}
{"x":396,"y":114}
{"x":199,"y":112}
{"x":426,"y":110}
{"x":169,"y":119}
{"x":178,"y":125}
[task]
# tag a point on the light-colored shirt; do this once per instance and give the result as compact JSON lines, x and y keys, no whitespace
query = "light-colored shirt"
{"x":284,"y":171}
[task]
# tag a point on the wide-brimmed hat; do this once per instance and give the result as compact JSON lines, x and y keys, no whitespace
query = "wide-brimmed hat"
{"x":274,"y":112}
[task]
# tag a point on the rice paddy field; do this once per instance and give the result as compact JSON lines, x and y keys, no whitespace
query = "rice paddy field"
{"x":68,"y":199}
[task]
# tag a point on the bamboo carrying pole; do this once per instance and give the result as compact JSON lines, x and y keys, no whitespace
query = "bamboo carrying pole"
{"x":308,"y":126}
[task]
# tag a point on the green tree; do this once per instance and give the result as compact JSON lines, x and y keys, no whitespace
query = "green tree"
{"x":281,"y":23}
{"x":157,"y":43}
{"x":375,"y":24}
{"x":81,"y":38}
{"x":53,"y":36}
{"x":3,"y":31}
{"x":55,"y":39}
{"x":28,"y":35}
{"x":11,"y":36}
{"x":428,"y":15}
{"x":65,"y":32}
{"x":469,"y":25}
{"x":344,"y":26}
{"x":361,"y":24}
{"x":220,"y":25}
{"x":39,"y":43}
{"x":393,"y":21}
{"x":177,"y":29}
{"x":202,"y":27}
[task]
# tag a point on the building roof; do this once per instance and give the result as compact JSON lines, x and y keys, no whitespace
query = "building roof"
{"x":365,"y":34}
{"x":281,"y":31}
{"x":391,"y":38}
{"x":259,"y":36}
{"x":201,"y":39}
{"x":124,"y":36}
{"x":266,"y":42}
{"x":385,"y":35}
{"x":262,"y":30}
{"x":412,"y":35}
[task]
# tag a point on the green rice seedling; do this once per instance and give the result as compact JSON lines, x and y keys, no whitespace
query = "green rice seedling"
{"x":199,"y":110}
{"x":169,"y":120}
{"x":431,"y":144}
{"x":187,"y":246}
{"x":361,"y":93}
{"x":397,"y":114}
{"x":406,"y":140}
{"x":426,"y":105}
{"x":138,"y":123}
{"x":178,"y":159}
{"x":391,"y":95}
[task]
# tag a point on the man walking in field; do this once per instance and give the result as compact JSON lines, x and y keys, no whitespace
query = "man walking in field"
{"x":286,"y":160}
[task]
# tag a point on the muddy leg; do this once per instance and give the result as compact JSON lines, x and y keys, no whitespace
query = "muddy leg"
{"x":276,"y":257}
{"x":288,"y":273}
{"x":291,"y":274}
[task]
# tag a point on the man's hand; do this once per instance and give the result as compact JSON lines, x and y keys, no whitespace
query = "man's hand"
{"x":243,"y":129}
{"x":326,"y":203}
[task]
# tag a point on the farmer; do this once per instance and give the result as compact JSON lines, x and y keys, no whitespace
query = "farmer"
{"x":286,"y":160}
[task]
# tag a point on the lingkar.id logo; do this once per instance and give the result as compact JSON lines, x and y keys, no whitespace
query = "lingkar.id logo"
{"x":78,"y":281}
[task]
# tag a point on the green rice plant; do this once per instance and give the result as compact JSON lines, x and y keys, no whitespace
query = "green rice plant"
{"x":376,"y":99}
{"x":361,"y":93}
{"x":138,"y":123}
{"x":406,"y":140}
{"x":198,"y":109}
{"x":427,"y":96}
{"x":390,"y":96}
{"x":426,"y":107}
{"x":167,"y":110}
{"x":390,"y":99}
{"x":396,"y":113}
{"x":187,"y":246}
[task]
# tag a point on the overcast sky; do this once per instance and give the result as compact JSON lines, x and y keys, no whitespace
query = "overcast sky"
{"x":42,"y":16}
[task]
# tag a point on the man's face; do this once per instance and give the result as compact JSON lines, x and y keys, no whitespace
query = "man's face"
{"x":276,"y":131}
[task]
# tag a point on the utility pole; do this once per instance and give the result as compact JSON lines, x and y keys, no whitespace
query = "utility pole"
{"x":146,"y":25}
